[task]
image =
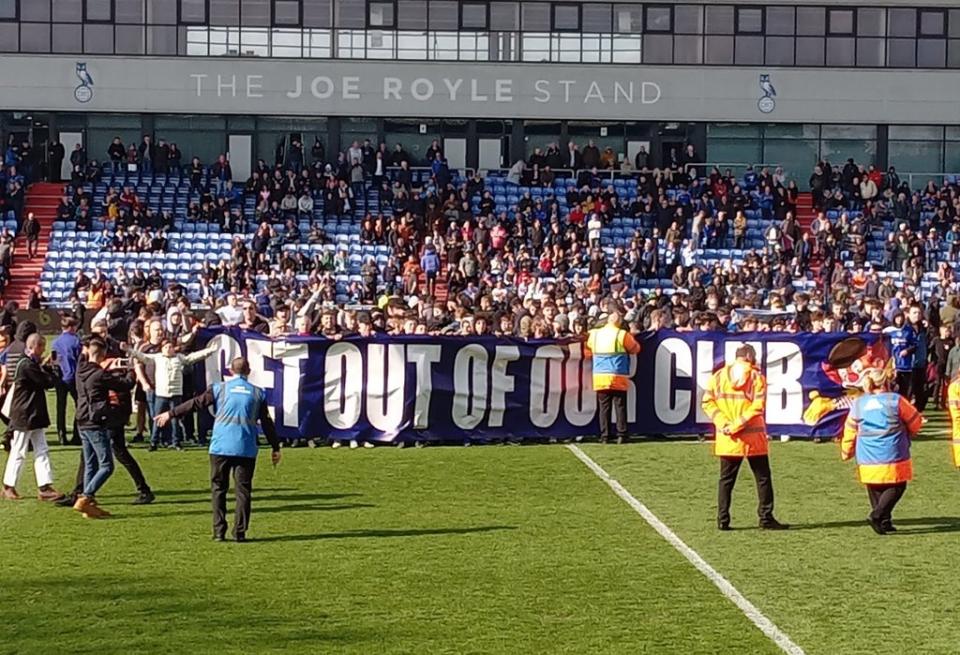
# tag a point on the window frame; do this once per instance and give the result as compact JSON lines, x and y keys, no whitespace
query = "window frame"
{"x":273,"y":15}
{"x":932,"y":10}
{"x":182,"y":21}
{"x":565,"y":5}
{"x":486,"y":15}
{"x":763,"y":21}
{"x":370,"y":25}
{"x":646,"y":18}
{"x":853,"y":21}
{"x":100,"y":21}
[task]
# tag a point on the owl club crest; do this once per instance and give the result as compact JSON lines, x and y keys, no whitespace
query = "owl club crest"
{"x":83,"y":91}
{"x":766,"y":104}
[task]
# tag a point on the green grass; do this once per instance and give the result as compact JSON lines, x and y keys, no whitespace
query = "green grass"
{"x":480,"y":550}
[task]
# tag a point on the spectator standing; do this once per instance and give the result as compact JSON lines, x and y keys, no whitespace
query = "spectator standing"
{"x":65,"y":352}
{"x":31,"y":229}
{"x":56,"y":153}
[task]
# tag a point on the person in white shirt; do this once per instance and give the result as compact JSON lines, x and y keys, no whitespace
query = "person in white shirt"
{"x":594,"y":225}
{"x":230,"y":314}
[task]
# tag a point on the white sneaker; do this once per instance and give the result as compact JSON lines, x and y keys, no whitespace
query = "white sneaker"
{"x":336,"y":444}
{"x":354,"y":444}
{"x":367,"y":444}
{"x":784,"y":438}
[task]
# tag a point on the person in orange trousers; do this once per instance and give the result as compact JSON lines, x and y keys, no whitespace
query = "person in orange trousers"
{"x":877,"y":433}
{"x":735,"y":400}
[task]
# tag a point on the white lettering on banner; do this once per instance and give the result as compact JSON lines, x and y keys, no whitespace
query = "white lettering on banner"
{"x":501,"y":383}
{"x":199,"y":77}
{"x":385,"y":386}
{"x":213,"y":364}
{"x":315,"y":88}
{"x":423,"y":357}
{"x":342,"y":385}
{"x":579,"y":398}
{"x":291,"y":354}
{"x":566,"y":84}
{"x":257,"y":352}
{"x":542,"y":88}
{"x":452,"y":87}
{"x":704,"y":369}
{"x":594,"y":93}
{"x":391,"y":88}
{"x":619,"y":90}
{"x":470,"y":386}
{"x":475,"y":95}
{"x":232,"y":85}
{"x":297,"y":90}
{"x":546,"y":385}
{"x":424,"y":93}
{"x":254,"y":85}
{"x":784,"y":390}
{"x":670,"y":404}
{"x":654,"y":93}
{"x":351,"y":88}
{"x":503,"y":91}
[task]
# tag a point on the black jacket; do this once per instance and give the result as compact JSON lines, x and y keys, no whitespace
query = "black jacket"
{"x":28,"y":408}
{"x":96,"y":406}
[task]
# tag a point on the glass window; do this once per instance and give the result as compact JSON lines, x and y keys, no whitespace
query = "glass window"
{"x":35,"y":37}
{"x":626,"y":49}
{"x":687,"y":49}
{"x":412,"y":15}
{"x":688,"y":19}
{"x":162,"y":12}
{"x":286,"y":12}
{"x":902,"y":53}
{"x":903,"y":22}
{"x":505,"y":16}
{"x":99,"y":10}
{"x":779,"y":51}
{"x":916,"y":156}
{"x":350,"y":13}
{"x":318,"y":13}
{"x":916,"y":132}
{"x":628,"y":19}
{"x":749,"y":50}
{"x":955,"y":22}
{"x":750,"y":20}
{"x":35,"y":10}
{"x":871,"y":21}
{"x":932,"y":22}
{"x":718,"y":50}
{"x":810,"y":51}
{"x":193,"y":11}
{"x":780,"y":20}
{"x":658,"y":49}
{"x":224,"y":12}
{"x":871,"y":52}
{"x":596,"y":18}
{"x":161,"y":40}
{"x":98,"y":39}
{"x":658,"y":18}
{"x":566,"y":18}
{"x":931,"y":53}
{"x":953,"y":56}
{"x":67,"y":37}
{"x":128,"y":40}
{"x":840,"y":51}
{"x":129,"y":11}
{"x":381,"y":14}
{"x":318,"y":43}
{"x":9,"y":37}
{"x":473,"y":15}
{"x":444,"y":15}
{"x":536,"y":16}
{"x":811,"y":21}
{"x":255,"y":12}
{"x":719,"y":20}
{"x":8,"y":9}
{"x":841,"y":21}
{"x":67,"y":11}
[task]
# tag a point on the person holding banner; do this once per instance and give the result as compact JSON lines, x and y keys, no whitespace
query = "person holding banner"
{"x":610,"y":347}
{"x":735,"y":400}
{"x":877,"y":433}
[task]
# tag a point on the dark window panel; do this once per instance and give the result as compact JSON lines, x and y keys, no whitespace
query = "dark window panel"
{"x":902,"y":22}
{"x":224,"y":12}
{"x":255,"y":13}
{"x":473,"y":15}
{"x":99,"y":10}
{"x":34,"y":37}
{"x":810,"y":51}
{"x":871,"y":52}
{"x":953,"y":56}
{"x":98,"y":39}
{"x":412,"y":15}
{"x":931,"y":53}
{"x":129,"y":40}
{"x":932,"y":23}
{"x":750,"y":20}
{"x":8,"y":9}
{"x":779,"y":50}
{"x":781,"y":20}
{"x":749,"y":50}
{"x":840,"y":21}
{"x":871,"y":21}
{"x":688,"y":19}
{"x":628,"y":19}
{"x":162,"y":12}
{"x":161,"y":40}
{"x":34,"y":10}
{"x":657,"y":49}
{"x":67,"y":11}
{"x":811,"y":21}
{"x":718,"y":50}
{"x":596,"y":18}
{"x":67,"y":37}
{"x":841,"y":51}
{"x":536,"y":16}
{"x":193,"y":11}
{"x":286,"y":12}
{"x":902,"y":53}
{"x":349,"y":13}
{"x":658,"y":19}
{"x":566,"y":17}
{"x":954,"y":22}
{"x":687,"y":49}
{"x":318,"y":13}
{"x":719,"y":21}
{"x":445,"y":15}
{"x":9,"y":37}
{"x":504,"y":16}
{"x":130,"y":11}
{"x":381,"y":14}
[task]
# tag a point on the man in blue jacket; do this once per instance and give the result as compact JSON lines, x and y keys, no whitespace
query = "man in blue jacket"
{"x":903,"y":344}
{"x":66,"y":352}
{"x":238,"y":405}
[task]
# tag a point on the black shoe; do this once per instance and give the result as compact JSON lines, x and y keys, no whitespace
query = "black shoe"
{"x":876,"y":525}
{"x":723,"y":526}
{"x":67,"y":501}
{"x":144,"y":498}
{"x":773,"y":524}
{"x":63,"y":440}
{"x":888,"y":526}
{"x":152,"y":448}
{"x":241,"y":538}
{"x":137,"y":438}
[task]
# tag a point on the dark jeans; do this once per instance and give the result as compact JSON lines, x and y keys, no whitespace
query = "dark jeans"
{"x":612,"y":402}
{"x":122,"y":455}
{"x":97,"y":458}
{"x":242,"y":469}
{"x":64,"y":390}
{"x":729,"y":469}
{"x":172,"y":429}
{"x":905,"y":383}
{"x":883,"y":498}
{"x":919,"y":388}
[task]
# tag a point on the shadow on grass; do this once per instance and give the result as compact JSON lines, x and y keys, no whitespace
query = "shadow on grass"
{"x":377,"y":534}
{"x":206,"y":491}
{"x":922,"y":525}
{"x":302,"y":507}
{"x":204,"y":497}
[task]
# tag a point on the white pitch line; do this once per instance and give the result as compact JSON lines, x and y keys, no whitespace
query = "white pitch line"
{"x":758,"y":618}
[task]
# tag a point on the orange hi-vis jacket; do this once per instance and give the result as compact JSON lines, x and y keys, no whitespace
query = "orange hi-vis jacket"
{"x":735,"y":400}
{"x":953,"y":404}
{"x":878,"y":432}
{"x":611,"y":347}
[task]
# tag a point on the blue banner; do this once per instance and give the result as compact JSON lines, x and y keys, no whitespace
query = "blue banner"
{"x":448,"y":389}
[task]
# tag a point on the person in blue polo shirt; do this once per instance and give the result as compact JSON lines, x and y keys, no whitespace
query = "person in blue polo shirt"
{"x":66,"y":351}
{"x":238,"y":406}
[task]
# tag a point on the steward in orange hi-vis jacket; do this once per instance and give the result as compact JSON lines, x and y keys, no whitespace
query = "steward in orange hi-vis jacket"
{"x":878,"y":431}
{"x":735,"y":400}
{"x":953,"y":405}
{"x":610,"y":347}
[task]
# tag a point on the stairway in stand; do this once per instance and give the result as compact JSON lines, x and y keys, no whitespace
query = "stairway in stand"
{"x":805,"y":215}
{"x":42,"y":199}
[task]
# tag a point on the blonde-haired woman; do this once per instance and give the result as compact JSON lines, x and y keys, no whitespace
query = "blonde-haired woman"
{"x":878,"y":431}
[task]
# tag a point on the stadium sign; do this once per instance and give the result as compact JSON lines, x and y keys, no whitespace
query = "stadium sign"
{"x":448,"y":388}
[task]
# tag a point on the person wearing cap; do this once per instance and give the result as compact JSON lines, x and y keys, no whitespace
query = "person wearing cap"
{"x":238,"y":407}
{"x":735,"y":400}
{"x":877,"y":434}
{"x":610,"y":347}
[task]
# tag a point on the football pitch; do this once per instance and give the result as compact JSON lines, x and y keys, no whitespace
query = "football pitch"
{"x":484,"y":550}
